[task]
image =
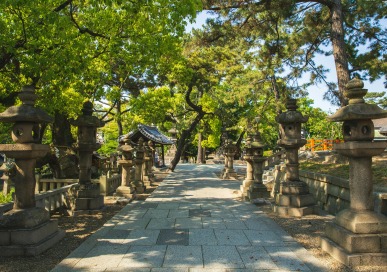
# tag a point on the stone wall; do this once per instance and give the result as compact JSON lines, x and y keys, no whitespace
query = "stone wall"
{"x":331,"y":193}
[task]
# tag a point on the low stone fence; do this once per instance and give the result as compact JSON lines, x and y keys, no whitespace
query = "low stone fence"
{"x":50,"y":200}
{"x":331,"y":193}
{"x":274,"y":159}
{"x":108,"y":184}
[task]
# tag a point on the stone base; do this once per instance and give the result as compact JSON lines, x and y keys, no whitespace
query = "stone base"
{"x":80,"y":204}
{"x":90,"y":190}
{"x":24,"y":219}
{"x":353,"y":259}
{"x":295,"y":212}
{"x":229,"y":175}
{"x":244,"y":189}
{"x":258,"y":191}
{"x":357,"y":238}
{"x":362,"y":221}
{"x":140,"y":189}
{"x":147,"y":182}
{"x":125,"y":191}
{"x":296,"y":201}
{"x":354,"y":242}
{"x":30,"y":241}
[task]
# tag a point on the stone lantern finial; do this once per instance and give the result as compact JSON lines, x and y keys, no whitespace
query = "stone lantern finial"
{"x":87,"y":108}
{"x":27,"y":95}
{"x":355,"y":91}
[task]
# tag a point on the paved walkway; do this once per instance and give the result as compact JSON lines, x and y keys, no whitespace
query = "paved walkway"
{"x":191,"y":223}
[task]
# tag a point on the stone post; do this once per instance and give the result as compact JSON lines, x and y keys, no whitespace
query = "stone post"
{"x":257,"y":188}
{"x":229,"y":153}
{"x":146,"y":168}
{"x":138,"y":183}
{"x":149,"y":149}
{"x":85,"y":195}
{"x":126,"y":189}
{"x":26,"y":229}
{"x":248,"y":157}
{"x":293,"y":198}
{"x":358,"y":235}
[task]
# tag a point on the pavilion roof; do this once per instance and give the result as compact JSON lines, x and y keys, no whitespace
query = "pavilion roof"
{"x":148,"y":133}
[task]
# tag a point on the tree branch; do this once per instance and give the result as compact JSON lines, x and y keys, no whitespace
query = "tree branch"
{"x":83,"y":30}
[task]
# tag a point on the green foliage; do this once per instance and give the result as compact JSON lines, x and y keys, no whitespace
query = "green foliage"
{"x":318,"y":126}
{"x":7,"y":198}
{"x":110,"y":136}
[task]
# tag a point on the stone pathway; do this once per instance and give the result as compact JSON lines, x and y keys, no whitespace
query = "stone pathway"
{"x":191,"y":223}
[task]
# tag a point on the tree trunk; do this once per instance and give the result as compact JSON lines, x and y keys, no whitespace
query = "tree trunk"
{"x":61,"y":131}
{"x":199,"y":159}
{"x":339,"y":53}
{"x":185,"y":135}
{"x":119,"y":123}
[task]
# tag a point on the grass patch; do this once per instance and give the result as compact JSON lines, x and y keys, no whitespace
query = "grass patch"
{"x":379,"y":170}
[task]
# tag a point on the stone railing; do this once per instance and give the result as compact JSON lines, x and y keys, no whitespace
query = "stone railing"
{"x":274,"y":159}
{"x":44,"y":185}
{"x":109,"y":184}
{"x":50,"y":200}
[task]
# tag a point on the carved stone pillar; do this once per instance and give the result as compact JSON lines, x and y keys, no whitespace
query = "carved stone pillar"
{"x":26,"y":229}
{"x":294,"y":198}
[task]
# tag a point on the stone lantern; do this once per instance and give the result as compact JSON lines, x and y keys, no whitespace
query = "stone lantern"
{"x":26,"y":229}
{"x":358,"y":235}
{"x":86,"y":195}
{"x":293,"y":198}
{"x":150,"y":149}
{"x":257,"y":189}
{"x":248,"y":157}
{"x":147,"y":167}
{"x":126,"y":189}
{"x":138,"y":183}
{"x":229,"y":151}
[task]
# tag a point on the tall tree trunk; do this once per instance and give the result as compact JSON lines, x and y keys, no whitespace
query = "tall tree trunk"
{"x":61,"y":131}
{"x":185,"y":135}
{"x":339,"y":53}
{"x":199,"y":159}
{"x":119,"y":123}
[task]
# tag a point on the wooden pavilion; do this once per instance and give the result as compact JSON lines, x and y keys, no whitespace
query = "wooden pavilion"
{"x":149,"y":133}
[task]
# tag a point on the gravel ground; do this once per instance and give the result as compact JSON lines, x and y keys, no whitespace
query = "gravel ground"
{"x":306,"y":231}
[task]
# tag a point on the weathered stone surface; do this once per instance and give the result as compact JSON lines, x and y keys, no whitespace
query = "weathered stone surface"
{"x":353,"y":260}
{"x":34,"y":235}
{"x":27,"y":218}
{"x":358,"y":230}
{"x":354,"y":243}
{"x":362,"y":221}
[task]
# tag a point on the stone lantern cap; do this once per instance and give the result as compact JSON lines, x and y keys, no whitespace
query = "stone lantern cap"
{"x":87,"y":119}
{"x":357,"y":109}
{"x":291,"y":116}
{"x":26,"y":112}
{"x":257,"y":141}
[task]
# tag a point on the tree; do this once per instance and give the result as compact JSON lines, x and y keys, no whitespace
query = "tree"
{"x":77,"y":48}
{"x":305,"y":27}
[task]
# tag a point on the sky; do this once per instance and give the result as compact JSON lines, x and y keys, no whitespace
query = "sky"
{"x":316,"y":92}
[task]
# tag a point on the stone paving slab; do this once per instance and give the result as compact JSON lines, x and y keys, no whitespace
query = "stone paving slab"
{"x":191,"y":223}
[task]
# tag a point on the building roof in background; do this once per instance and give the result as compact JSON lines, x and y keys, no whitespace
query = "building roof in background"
{"x":148,"y":133}
{"x":378,"y":123}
